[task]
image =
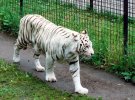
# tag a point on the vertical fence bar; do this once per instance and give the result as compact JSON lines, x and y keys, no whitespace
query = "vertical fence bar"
{"x":125,"y":30}
{"x":56,"y":17}
{"x":91,"y":4}
{"x":21,"y":8}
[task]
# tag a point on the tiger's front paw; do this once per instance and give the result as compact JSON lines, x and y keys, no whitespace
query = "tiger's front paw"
{"x":82,"y":90}
{"x":16,"y":58}
{"x":51,"y":77}
{"x":40,"y":69}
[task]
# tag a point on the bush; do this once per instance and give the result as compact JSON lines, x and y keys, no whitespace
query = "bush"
{"x":9,"y":21}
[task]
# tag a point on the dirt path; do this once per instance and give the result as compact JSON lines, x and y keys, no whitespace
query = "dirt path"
{"x":98,"y":82}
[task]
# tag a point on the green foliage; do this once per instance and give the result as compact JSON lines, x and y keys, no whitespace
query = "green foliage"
{"x":131,"y":20}
{"x":129,"y":76}
{"x":126,"y":72}
{"x":133,"y":79}
{"x":100,"y":98}
{"x":116,"y":68}
{"x":9,"y":21}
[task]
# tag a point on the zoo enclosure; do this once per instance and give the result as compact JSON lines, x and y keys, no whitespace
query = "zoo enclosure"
{"x":110,"y":23}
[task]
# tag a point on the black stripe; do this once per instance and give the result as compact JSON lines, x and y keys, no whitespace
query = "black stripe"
{"x":23,"y":42}
{"x":27,"y":21}
{"x":64,"y":34}
{"x":72,"y":55}
{"x":63,"y":49}
{"x":38,"y":23}
{"x":57,"y":57}
{"x":52,"y":58}
{"x":45,"y":24}
{"x":41,"y":25}
{"x":55,"y":31}
{"x":32,"y":27}
{"x":33,"y":19}
{"x":73,"y":72}
{"x":59,"y":31}
{"x":36,"y":55}
{"x":52,"y":55}
{"x":74,"y":76}
{"x":18,"y":41}
{"x":67,"y":36}
{"x":73,"y":62}
{"x":38,"y":29}
{"x":75,"y":57}
{"x":36,"y":26}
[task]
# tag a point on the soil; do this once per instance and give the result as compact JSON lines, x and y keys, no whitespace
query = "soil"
{"x":99,"y":82}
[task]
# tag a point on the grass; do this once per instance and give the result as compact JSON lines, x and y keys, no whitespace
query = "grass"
{"x":17,"y":85}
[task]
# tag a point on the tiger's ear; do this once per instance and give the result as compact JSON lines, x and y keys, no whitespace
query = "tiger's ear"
{"x":84,"y":32}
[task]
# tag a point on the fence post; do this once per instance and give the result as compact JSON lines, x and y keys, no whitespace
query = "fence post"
{"x":91,"y":4}
{"x":125,"y":27}
{"x":21,"y":8}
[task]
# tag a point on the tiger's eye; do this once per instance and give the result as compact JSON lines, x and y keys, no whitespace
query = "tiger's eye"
{"x":87,"y":46}
{"x":80,"y":44}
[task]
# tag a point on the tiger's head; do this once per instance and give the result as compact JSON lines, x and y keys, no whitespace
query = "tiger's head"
{"x":85,"y":47}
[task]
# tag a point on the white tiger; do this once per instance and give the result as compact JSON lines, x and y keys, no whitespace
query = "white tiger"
{"x":56,"y":43}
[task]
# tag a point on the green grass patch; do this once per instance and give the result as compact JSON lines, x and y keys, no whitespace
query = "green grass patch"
{"x":16,"y":85}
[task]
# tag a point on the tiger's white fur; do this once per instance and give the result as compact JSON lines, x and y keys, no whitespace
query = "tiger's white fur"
{"x":56,"y":43}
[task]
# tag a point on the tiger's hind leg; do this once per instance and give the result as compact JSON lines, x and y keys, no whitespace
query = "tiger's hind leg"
{"x":38,"y":66}
{"x":17,"y":47}
{"x":50,"y":76}
{"x":16,"y":55}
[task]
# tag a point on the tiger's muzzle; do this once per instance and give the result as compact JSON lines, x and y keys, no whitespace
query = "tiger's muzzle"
{"x":89,"y":53}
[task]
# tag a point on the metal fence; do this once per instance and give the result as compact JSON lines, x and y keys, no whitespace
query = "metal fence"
{"x":110,"y":23}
